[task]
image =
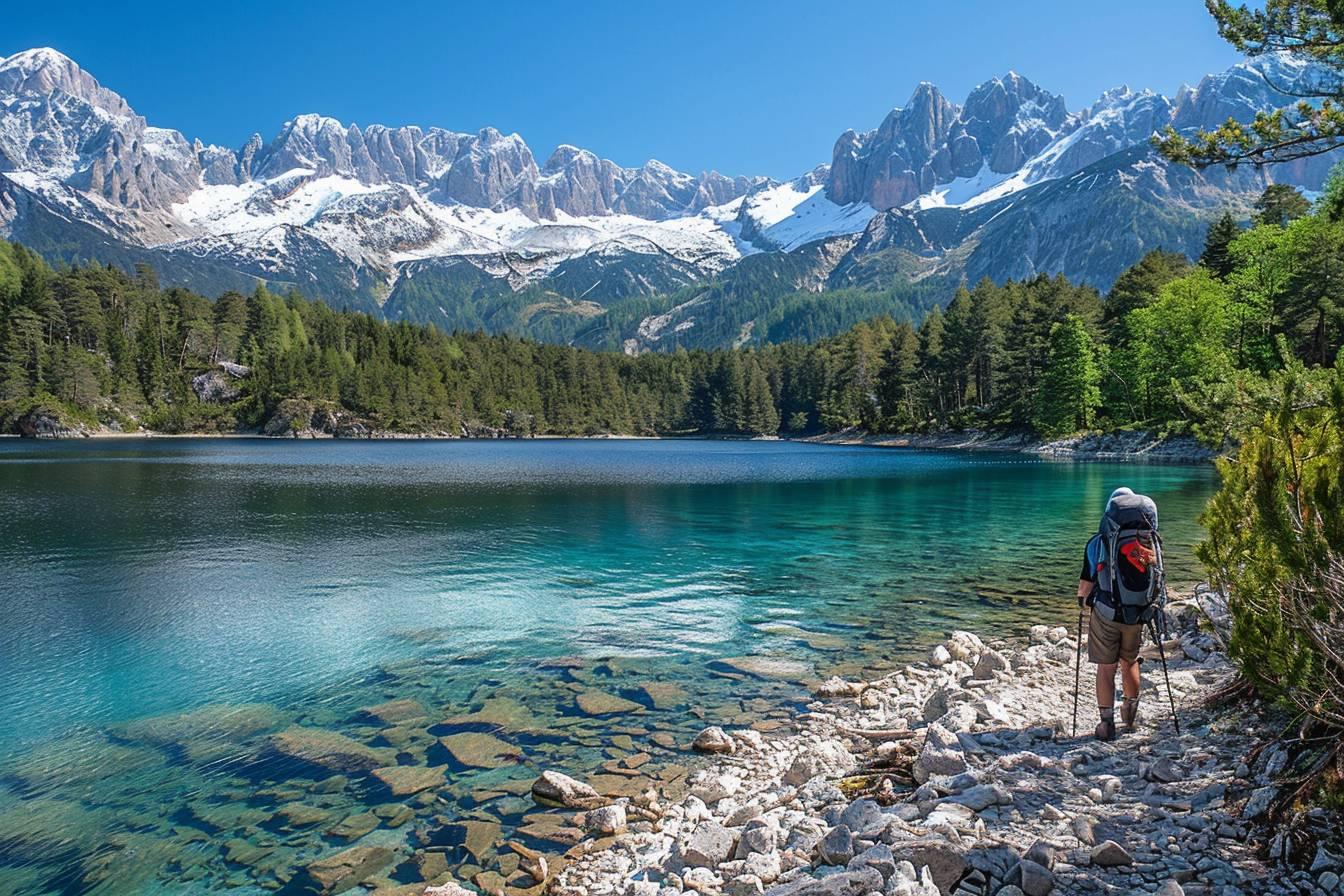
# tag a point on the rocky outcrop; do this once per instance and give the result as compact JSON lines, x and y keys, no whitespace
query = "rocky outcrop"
{"x":49,"y":422}
{"x":577,"y":182}
{"x":896,"y":162}
{"x":301,"y":418}
{"x":1127,"y":445}
{"x":220,"y":384}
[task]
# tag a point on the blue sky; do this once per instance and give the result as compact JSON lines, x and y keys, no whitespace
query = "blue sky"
{"x":741,"y":87}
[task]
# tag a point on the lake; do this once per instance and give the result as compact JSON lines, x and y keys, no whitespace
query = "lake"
{"x":209,"y":644}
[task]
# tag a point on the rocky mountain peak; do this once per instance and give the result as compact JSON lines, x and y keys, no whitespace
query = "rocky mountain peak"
{"x":1010,"y":119}
{"x":61,"y":122}
{"x":931,"y":141}
{"x":923,"y":122}
{"x":42,"y":72}
{"x":1245,"y":88}
{"x":565,"y":156}
{"x":492,"y":171}
{"x":75,"y":159}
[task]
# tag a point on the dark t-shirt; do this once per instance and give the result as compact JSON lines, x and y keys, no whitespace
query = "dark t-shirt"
{"x":1091,"y":557}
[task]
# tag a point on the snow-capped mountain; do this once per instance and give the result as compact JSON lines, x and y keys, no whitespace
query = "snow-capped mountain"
{"x":423,"y":222}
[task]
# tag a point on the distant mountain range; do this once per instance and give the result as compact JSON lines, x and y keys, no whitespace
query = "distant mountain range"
{"x":467,"y":230}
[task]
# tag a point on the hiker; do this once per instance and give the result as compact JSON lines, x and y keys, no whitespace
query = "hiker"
{"x":1122,"y":583}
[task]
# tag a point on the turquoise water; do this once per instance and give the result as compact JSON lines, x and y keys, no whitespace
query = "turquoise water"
{"x":305,"y":582}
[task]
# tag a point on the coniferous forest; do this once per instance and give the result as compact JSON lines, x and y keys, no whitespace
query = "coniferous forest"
{"x":1171,"y":348}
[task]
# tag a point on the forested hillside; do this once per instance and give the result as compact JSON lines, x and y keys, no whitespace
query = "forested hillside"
{"x":1163,"y":349}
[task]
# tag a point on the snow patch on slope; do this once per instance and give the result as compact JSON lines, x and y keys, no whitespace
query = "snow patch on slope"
{"x":383,"y":225}
{"x":792,"y":214}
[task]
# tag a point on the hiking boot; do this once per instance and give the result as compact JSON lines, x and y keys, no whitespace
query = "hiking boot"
{"x":1129,"y":712}
{"x":1106,"y":729}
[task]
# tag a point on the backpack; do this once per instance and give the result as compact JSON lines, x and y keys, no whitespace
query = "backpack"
{"x":1130,"y":565}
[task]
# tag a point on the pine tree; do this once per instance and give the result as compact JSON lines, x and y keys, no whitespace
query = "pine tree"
{"x":1280,"y":204}
{"x":761,"y":416}
{"x":958,"y":348}
{"x":990,"y":314}
{"x":897,"y":382}
{"x":931,"y":361}
{"x":1070,"y":385}
{"x":1139,"y":284}
{"x":22,"y":354}
{"x":1216,"y":256}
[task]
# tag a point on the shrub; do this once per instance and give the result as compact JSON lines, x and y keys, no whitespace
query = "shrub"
{"x":1275,"y":545}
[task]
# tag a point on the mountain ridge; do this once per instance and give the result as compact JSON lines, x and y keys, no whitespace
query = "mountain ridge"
{"x":352,"y":214}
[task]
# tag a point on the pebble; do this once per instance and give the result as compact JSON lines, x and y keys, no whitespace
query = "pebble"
{"x":1003,"y":802}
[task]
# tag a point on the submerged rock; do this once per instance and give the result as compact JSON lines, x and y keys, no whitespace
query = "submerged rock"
{"x":328,"y":749}
{"x":475,"y":836}
{"x":552,"y":829}
{"x":768,"y":667}
{"x":476,"y":749}
{"x":404,"y":780}
{"x":599,"y":703}
{"x":664,"y":694}
{"x":302,"y":815}
{"x":50,"y":827}
{"x":344,"y":870}
{"x":78,"y":761}
{"x":531,"y":862}
{"x":501,"y":713}
{"x":218,"y":720}
{"x":352,"y":827}
{"x":394,"y":712}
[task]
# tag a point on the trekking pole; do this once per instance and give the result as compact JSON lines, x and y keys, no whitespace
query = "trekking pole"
{"x":1162,"y":655}
{"x":1078,"y":672}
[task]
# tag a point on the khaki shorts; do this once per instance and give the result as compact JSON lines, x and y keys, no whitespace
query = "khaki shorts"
{"x":1109,"y":641}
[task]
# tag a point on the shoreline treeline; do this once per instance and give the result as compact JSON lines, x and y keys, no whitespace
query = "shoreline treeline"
{"x":1165,"y":350}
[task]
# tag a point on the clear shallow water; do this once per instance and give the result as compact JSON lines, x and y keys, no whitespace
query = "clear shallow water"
{"x":145,"y":578}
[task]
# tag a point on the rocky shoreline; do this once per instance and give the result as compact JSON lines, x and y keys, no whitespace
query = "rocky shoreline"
{"x":305,"y":419}
{"x":960,"y":775}
{"x":1128,"y":445}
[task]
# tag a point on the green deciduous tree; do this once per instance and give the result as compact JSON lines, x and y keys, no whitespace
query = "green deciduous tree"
{"x":1179,"y":345}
